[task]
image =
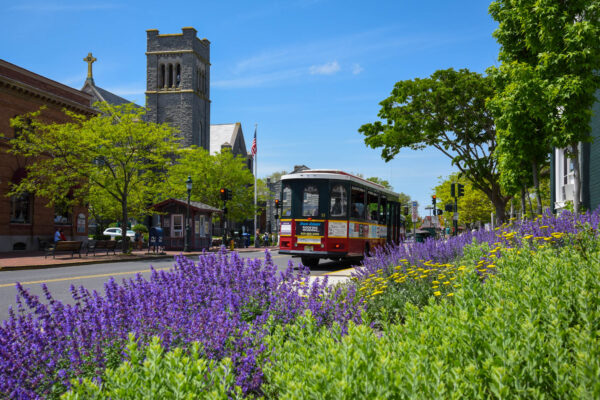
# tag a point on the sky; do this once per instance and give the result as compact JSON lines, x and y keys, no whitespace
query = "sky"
{"x":306,"y":73}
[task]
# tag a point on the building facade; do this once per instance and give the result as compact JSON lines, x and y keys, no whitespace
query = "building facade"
{"x":27,"y":220}
{"x":177,"y":84}
{"x":562,"y":171}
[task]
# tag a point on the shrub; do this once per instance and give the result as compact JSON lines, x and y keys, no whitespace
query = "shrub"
{"x":530,"y":332}
{"x":140,"y":228}
{"x":154,"y":374}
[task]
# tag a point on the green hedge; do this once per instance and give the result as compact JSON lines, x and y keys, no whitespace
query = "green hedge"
{"x":530,"y":332}
{"x":153,"y":374}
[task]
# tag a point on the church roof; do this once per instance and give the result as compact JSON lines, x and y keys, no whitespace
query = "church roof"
{"x":103,"y":95}
{"x":231,"y":134}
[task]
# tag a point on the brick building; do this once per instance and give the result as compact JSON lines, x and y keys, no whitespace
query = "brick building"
{"x":25,"y":219}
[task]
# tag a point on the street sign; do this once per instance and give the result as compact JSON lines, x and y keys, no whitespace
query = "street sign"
{"x":415,"y":211}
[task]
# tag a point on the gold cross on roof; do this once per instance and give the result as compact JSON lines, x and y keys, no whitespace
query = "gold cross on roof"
{"x":90,"y":59}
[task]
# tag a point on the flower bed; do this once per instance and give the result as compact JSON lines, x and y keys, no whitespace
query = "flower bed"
{"x":220,"y":302}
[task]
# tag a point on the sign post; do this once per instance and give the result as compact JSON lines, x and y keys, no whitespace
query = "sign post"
{"x":415,"y":217}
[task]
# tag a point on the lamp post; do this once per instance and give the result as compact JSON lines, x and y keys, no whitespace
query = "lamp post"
{"x":186,"y":246}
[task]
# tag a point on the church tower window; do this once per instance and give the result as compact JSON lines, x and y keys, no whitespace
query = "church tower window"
{"x":170,"y":75}
{"x":161,"y":80}
{"x":178,"y":76}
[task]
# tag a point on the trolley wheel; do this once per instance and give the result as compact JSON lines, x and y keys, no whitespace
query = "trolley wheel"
{"x":310,"y":261}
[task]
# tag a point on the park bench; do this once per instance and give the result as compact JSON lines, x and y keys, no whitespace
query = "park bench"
{"x":65,"y":246}
{"x":108,"y":245}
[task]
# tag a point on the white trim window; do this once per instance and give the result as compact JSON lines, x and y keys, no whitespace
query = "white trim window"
{"x":177,"y":225}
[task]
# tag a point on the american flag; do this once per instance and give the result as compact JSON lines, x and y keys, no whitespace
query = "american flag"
{"x":253,"y":148}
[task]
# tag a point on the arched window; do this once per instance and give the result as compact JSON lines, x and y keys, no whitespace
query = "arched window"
{"x":339,"y":201}
{"x":286,"y":201}
{"x":310,"y":201}
{"x":178,"y":76}
{"x":170,"y":75}
{"x":161,"y":81}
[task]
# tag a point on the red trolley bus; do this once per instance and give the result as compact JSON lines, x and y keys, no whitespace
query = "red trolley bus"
{"x":332,"y":214}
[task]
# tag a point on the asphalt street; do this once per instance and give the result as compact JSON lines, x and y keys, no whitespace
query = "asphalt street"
{"x":93,"y":276}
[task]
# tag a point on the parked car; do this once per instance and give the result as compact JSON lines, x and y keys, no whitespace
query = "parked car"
{"x":114,"y":232}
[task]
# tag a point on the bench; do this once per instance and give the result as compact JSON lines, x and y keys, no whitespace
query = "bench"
{"x":44,"y":244}
{"x":65,"y":246}
{"x":108,"y":245}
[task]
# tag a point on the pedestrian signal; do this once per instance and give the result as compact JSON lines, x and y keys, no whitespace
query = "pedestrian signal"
{"x":461,"y":190}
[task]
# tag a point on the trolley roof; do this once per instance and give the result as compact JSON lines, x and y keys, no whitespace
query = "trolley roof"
{"x":339,"y":175}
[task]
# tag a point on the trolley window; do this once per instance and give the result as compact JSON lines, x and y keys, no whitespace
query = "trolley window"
{"x":286,"y":201}
{"x":383,"y":210}
{"x":310,"y":201}
{"x":339,"y":202}
{"x":357,"y":202}
{"x":372,"y":207}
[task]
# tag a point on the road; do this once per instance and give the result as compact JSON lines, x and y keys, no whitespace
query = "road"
{"x":93,"y":276}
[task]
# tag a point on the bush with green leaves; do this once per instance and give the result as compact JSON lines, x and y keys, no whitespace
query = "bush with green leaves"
{"x":153,"y":374}
{"x":533,"y":331}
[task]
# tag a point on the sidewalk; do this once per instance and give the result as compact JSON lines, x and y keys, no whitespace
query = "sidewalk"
{"x":35,"y":259}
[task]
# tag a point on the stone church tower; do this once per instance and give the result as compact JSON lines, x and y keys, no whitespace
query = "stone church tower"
{"x":177,"y":84}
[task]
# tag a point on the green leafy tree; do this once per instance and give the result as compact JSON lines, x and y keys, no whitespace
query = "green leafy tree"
{"x":381,"y":182}
{"x":560,"y":42}
{"x":446,"y":111}
{"x":113,"y":159}
{"x":520,"y":108}
{"x":209,"y":174}
{"x":473,"y":207}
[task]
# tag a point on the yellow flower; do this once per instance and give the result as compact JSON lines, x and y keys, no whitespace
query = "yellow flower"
{"x":435,"y":282}
{"x":375,"y":293}
{"x":435,"y":287}
{"x":491,"y":266}
{"x":450,"y":294}
{"x":438,"y":293}
{"x":446,"y":283}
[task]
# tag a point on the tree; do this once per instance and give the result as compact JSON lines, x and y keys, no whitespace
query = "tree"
{"x":446,"y":111}
{"x":114,"y":158}
{"x":209,"y":174}
{"x":473,"y":207}
{"x":381,"y":182}
{"x":523,"y":140}
{"x":560,"y":42}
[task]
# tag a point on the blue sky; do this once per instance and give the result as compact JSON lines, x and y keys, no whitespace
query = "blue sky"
{"x":308,"y":72}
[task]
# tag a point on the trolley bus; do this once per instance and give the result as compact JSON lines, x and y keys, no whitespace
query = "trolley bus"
{"x":335,"y":215}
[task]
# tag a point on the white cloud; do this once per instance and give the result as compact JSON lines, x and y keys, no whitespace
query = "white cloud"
{"x":357,"y":69}
{"x":325,"y":69}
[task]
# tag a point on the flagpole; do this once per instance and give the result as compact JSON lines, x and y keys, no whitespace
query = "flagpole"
{"x":255,"y":188}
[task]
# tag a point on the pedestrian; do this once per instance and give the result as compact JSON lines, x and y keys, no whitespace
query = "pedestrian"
{"x":266,"y":239}
{"x":57,"y":235}
{"x":62,"y":235}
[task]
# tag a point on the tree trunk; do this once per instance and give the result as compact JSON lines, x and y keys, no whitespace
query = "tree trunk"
{"x":125,"y":247}
{"x":536,"y":185}
{"x":499,"y":203}
{"x":522,"y":203}
{"x":576,"y":179}
{"x":529,"y":200}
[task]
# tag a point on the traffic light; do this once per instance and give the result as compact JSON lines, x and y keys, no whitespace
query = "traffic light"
{"x":225,"y":210}
{"x":439,"y":211}
{"x":276,"y":203}
{"x":452,"y":191}
{"x":225,"y":194}
{"x":405,"y":210}
{"x":433,"y":200}
{"x":449,"y":207}
{"x":461,"y":190}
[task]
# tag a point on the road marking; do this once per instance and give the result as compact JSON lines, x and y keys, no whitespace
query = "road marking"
{"x":84,"y":277}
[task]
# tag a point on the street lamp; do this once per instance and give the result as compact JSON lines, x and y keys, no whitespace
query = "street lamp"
{"x":186,"y":246}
